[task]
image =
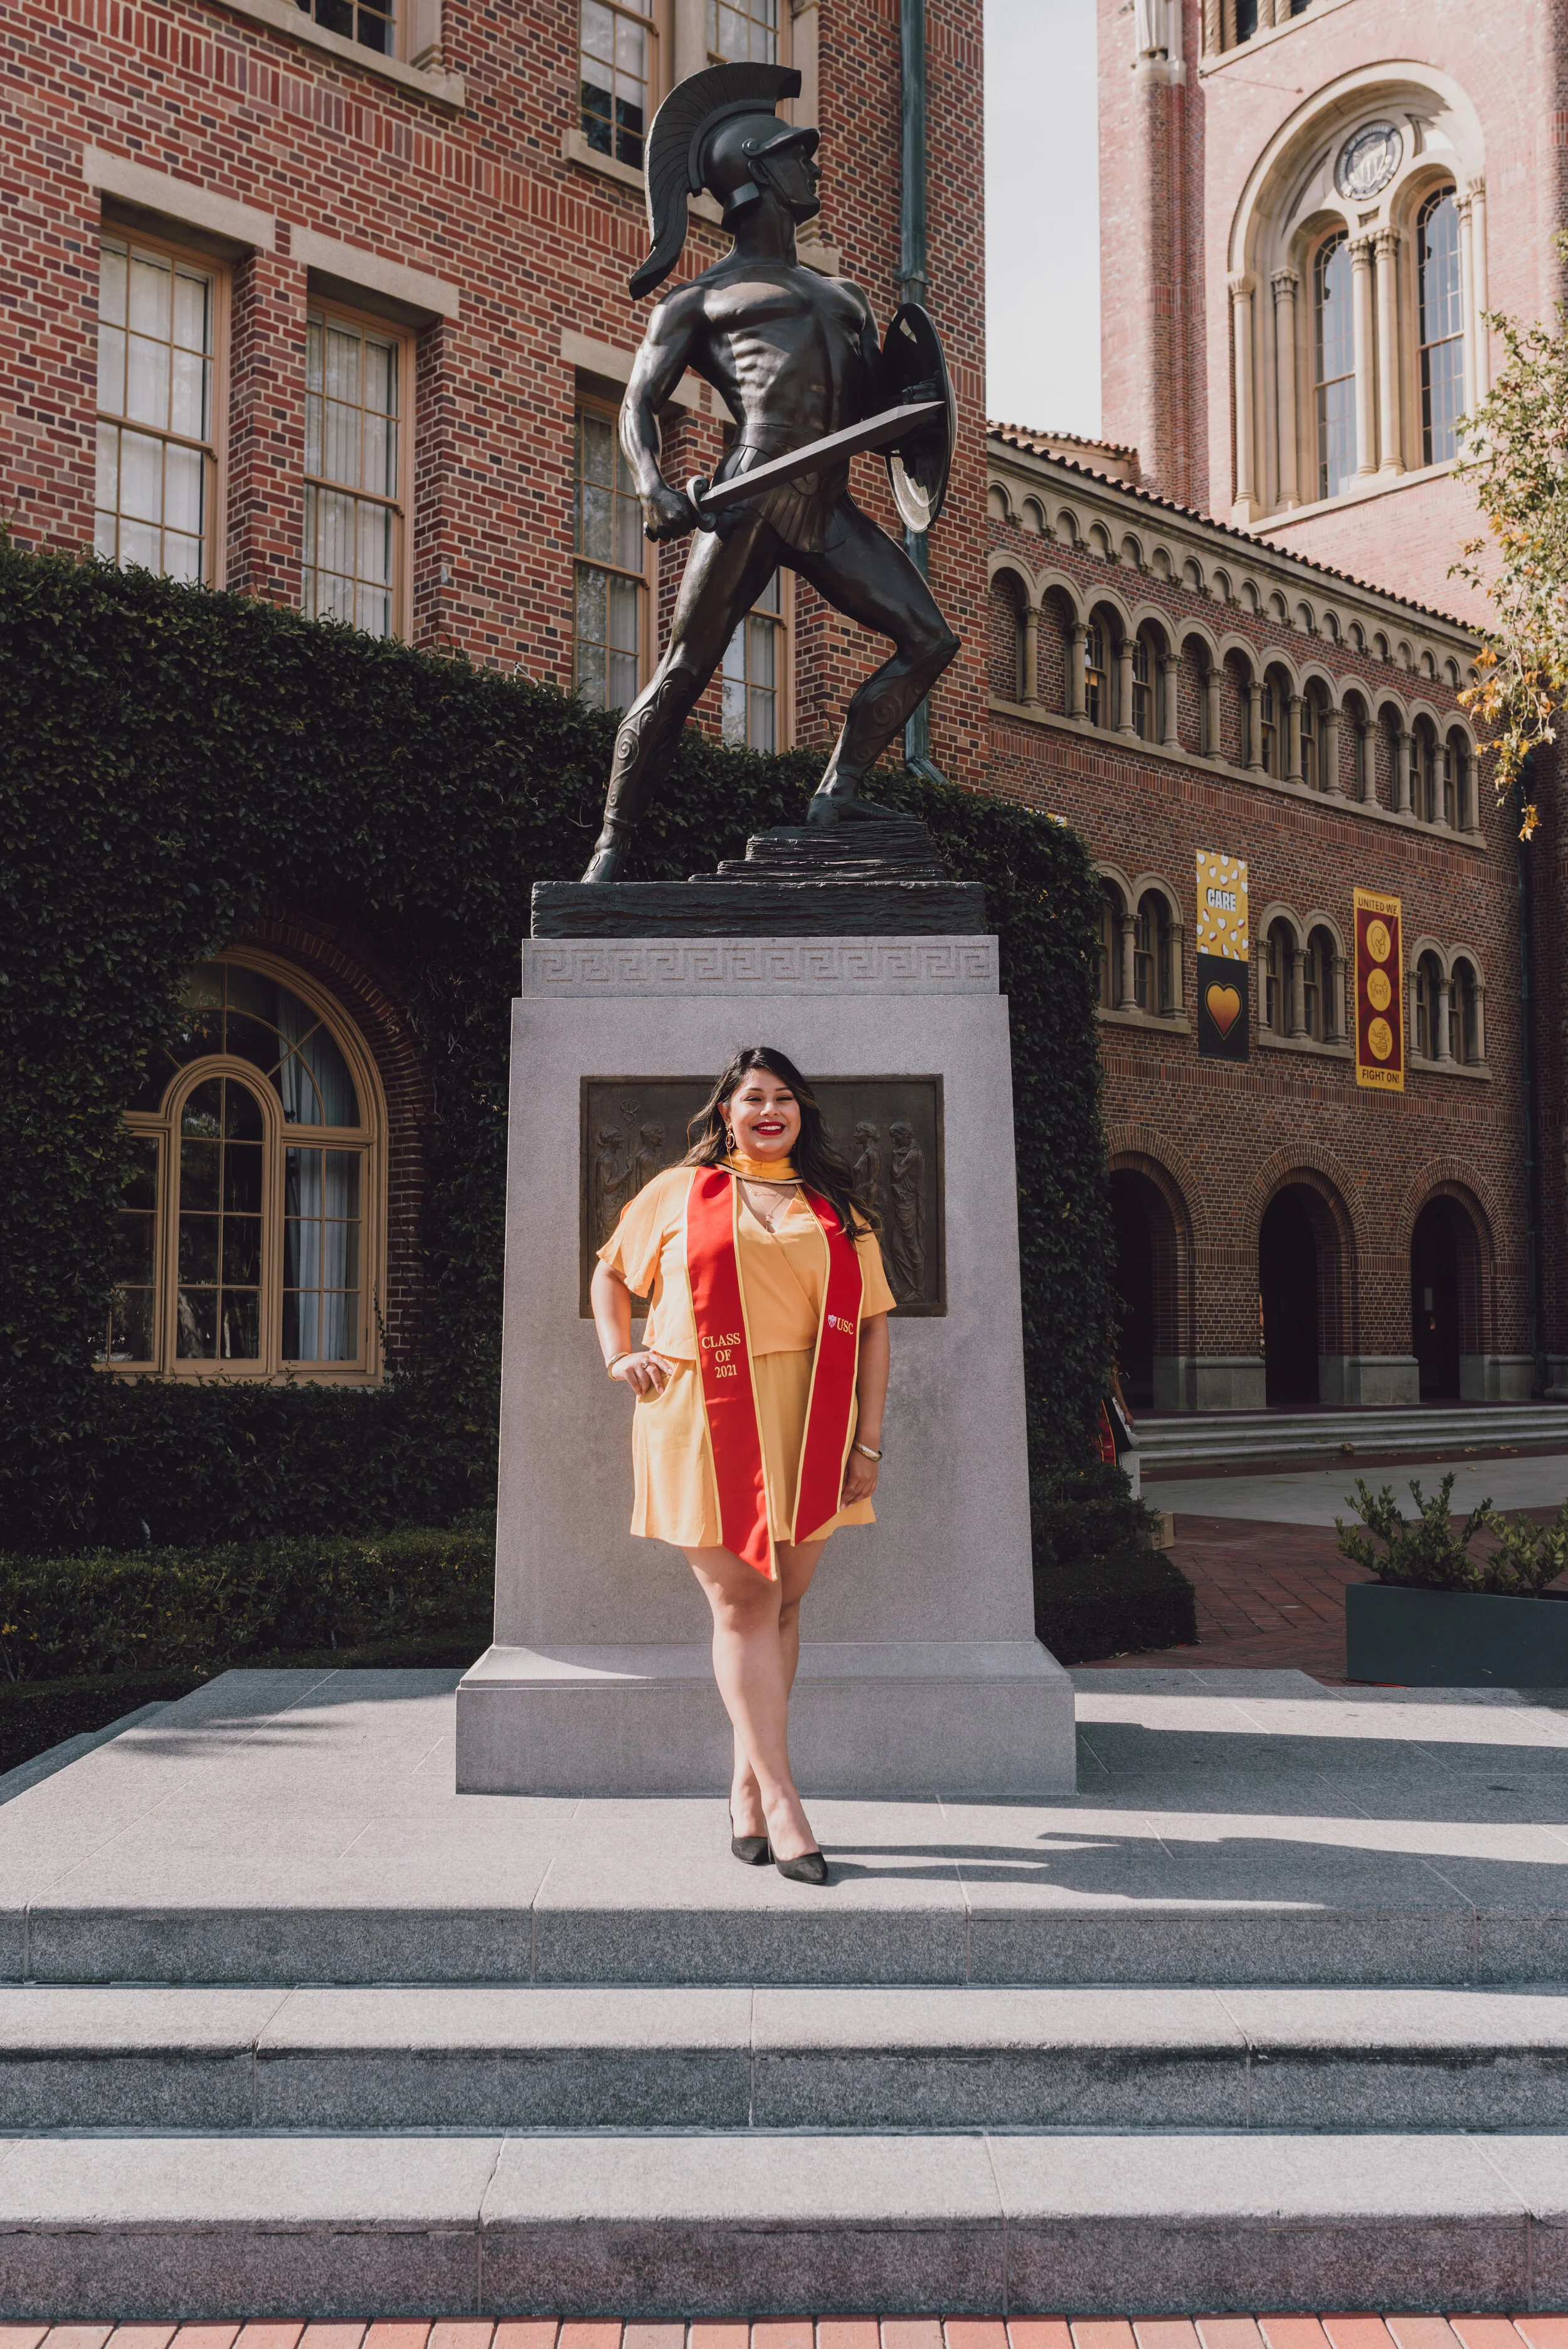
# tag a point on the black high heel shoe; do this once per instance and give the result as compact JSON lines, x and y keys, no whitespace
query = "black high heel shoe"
{"x":809,"y":1867}
{"x":751,"y":1850}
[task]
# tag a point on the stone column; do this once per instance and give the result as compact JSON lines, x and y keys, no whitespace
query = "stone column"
{"x":1470,"y":810}
{"x":1391,"y":448}
{"x":1124,"y":724}
{"x":1299,"y":990}
{"x":1293,"y":773}
{"x":1328,"y":753}
{"x":1285,"y":283}
{"x":1402,"y":741}
{"x":1031,"y":654}
{"x":1126,"y":925}
{"x":1365,"y":765}
{"x":1333,"y":1020}
{"x":1169,"y":685}
{"x":1075,"y":670}
{"x":1246,"y":504}
{"x":1365,"y":376}
{"x":1214,"y":741}
{"x":1462,"y":205}
{"x":1477,"y":287}
{"x":1255,"y":726}
{"x":1445,"y":1019}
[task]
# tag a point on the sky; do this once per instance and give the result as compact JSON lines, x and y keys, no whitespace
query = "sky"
{"x":1042,"y":215}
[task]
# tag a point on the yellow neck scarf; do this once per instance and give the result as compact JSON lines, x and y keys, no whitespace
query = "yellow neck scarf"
{"x":761,"y":1170}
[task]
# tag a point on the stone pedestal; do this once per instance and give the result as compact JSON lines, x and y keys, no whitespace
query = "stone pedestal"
{"x":920,"y":1670}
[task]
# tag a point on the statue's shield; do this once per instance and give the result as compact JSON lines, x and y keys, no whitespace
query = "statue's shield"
{"x":918,"y":469}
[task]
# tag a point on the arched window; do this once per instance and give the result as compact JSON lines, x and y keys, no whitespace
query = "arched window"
{"x":1006,"y":640}
{"x":1110,"y":946}
{"x":1428,"y":982}
{"x":1277,"y":979}
{"x":1143,"y":676}
{"x":1153,"y":986}
{"x":1448,"y":785}
{"x":1309,"y":733}
{"x":1268,"y":722}
{"x":1319,"y":1010}
{"x":1440,"y":326}
{"x":1096,"y":695}
{"x":252,"y":1220}
{"x":1333,"y":366}
{"x":1465,"y":1014}
{"x":1425,"y":780}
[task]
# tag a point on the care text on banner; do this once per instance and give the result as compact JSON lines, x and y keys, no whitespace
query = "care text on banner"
{"x":1379,"y":992}
{"x":1224,"y":963}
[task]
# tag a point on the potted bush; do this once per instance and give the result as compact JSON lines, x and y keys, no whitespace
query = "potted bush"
{"x":1439,"y":1616}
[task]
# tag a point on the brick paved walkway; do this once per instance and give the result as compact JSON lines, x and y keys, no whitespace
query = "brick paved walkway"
{"x":1269,"y":1598}
{"x":1347,"y":2332}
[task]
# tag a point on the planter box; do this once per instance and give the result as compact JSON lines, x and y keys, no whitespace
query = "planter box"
{"x":1454,"y":1639}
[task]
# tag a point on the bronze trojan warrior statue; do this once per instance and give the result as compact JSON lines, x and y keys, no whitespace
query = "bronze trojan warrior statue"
{"x":796,"y":359}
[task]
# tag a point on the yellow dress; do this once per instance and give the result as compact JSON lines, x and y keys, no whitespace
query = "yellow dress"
{"x":783,"y":1273}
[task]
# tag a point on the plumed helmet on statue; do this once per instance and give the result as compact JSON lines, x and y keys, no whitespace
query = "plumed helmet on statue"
{"x":710,"y":132}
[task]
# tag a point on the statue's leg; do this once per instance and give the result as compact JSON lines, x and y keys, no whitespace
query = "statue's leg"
{"x":724,"y":576}
{"x":863,"y":573}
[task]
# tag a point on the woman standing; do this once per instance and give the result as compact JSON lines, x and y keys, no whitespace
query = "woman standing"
{"x":759,"y":1391}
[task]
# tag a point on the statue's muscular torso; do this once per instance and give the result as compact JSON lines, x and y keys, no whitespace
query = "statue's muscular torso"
{"x":792,"y":355}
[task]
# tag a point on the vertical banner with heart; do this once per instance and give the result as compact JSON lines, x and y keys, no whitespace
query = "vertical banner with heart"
{"x":1224,"y":964}
{"x":1379,"y":992}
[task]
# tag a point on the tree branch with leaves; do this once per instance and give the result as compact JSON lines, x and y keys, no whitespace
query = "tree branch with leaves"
{"x":1517,"y":437}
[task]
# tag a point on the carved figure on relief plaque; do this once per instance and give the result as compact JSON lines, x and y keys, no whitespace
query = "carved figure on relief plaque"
{"x":907,"y":1230}
{"x":612,"y":1181}
{"x":868,"y":1165}
{"x":652,"y":1157}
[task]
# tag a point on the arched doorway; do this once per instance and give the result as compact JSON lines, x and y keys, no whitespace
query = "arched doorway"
{"x":1445,"y":1296}
{"x":1147,"y":1284}
{"x":1287,"y":1294}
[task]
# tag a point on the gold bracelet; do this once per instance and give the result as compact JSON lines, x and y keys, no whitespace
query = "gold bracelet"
{"x":623,"y":1356}
{"x":866,"y":1448}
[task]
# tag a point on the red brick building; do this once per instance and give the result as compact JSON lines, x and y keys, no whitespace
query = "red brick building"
{"x":328,"y":303}
{"x":1174,"y":687}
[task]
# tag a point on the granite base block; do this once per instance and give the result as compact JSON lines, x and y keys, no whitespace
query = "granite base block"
{"x":949,"y":1717}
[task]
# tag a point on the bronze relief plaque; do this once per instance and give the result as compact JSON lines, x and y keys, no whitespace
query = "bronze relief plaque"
{"x":889,"y":1128}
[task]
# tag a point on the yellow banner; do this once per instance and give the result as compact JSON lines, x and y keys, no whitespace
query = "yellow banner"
{"x":1379,"y":992}
{"x":1221,"y":906}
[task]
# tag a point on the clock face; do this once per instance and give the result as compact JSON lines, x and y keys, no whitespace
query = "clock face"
{"x":1368,"y":161}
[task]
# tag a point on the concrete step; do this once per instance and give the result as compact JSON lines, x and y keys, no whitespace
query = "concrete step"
{"x":827,"y":2059}
{"x":1181,"y":1439}
{"x":729,"y":2225}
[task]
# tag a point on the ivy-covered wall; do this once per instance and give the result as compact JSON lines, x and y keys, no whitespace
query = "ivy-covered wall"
{"x":172,"y":761}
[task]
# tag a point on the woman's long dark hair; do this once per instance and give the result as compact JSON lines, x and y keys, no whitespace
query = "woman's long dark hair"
{"x":816,"y":1161}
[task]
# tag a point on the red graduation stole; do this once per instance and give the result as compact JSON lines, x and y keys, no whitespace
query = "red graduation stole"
{"x":728,"y":1393}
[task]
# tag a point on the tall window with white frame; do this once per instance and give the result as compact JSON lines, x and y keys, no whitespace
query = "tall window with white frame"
{"x":753,"y":675}
{"x":353,"y":462}
{"x":1333,"y":366}
{"x":1096,"y":677}
{"x":743,"y":30}
{"x":1441,"y":327}
{"x":616,"y":55}
{"x":607,"y":622}
{"x":1143,"y":676}
{"x":156,"y":405}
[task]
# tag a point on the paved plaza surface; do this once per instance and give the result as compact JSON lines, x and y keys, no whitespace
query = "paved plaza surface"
{"x":1269,"y":2014}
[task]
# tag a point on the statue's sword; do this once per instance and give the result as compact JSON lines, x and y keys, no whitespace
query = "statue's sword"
{"x":880,"y":431}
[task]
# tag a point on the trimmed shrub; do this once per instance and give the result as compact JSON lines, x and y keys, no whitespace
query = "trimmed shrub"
{"x":1426,"y":1554}
{"x":1099,"y":1588}
{"x":183,"y":1611}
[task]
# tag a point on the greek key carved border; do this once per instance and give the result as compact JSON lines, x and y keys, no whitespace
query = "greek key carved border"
{"x":605,"y":967}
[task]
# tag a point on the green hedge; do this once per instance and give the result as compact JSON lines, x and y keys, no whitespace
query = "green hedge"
{"x":186,"y":1610}
{"x":177,"y":759}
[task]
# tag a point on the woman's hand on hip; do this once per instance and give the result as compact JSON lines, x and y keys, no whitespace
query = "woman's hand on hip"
{"x":859,"y":1480}
{"x":644,"y":1372}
